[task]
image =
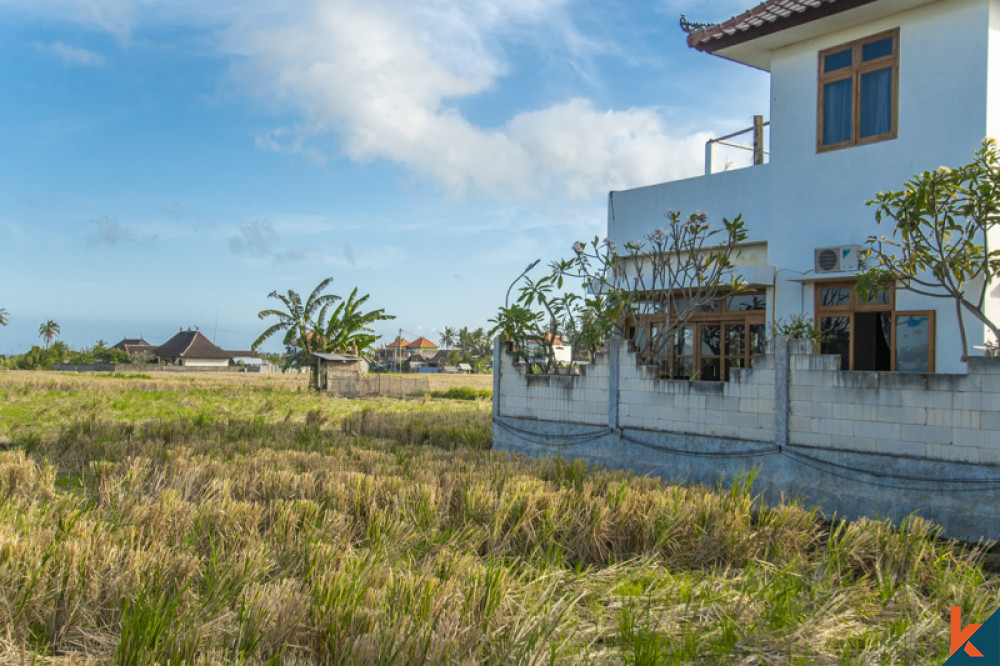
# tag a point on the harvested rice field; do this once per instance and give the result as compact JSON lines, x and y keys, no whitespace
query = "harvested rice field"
{"x":241,"y":519}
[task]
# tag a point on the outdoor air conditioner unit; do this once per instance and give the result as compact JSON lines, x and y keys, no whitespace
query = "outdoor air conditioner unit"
{"x":837,"y":259}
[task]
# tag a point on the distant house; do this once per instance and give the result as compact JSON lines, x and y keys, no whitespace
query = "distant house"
{"x":135,"y":347}
{"x":191,"y":348}
{"x":562,"y":352}
{"x":421,"y":344}
{"x":420,"y":355}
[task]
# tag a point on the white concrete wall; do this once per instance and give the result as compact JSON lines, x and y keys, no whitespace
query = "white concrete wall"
{"x":803,"y":199}
{"x":579,"y":398}
{"x":206,"y":362}
{"x":938,"y":417}
{"x":740,"y":409}
{"x":954,"y":418}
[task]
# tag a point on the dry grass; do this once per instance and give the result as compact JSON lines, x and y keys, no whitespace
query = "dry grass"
{"x":150,"y":521}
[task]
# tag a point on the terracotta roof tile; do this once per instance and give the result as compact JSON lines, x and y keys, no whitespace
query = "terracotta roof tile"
{"x":422,"y":343}
{"x":766,"y":18}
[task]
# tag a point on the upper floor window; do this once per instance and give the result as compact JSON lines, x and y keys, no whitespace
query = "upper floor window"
{"x":858,"y":84}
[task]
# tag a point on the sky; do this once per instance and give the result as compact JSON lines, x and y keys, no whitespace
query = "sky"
{"x":167,"y":164}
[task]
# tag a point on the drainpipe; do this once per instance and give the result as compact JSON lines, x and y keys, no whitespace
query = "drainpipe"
{"x":497,"y":358}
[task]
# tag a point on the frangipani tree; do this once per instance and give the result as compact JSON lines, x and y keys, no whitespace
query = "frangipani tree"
{"x":944,"y":240}
{"x":673,"y":271}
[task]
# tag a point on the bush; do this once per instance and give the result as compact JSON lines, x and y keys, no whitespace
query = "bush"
{"x":462,"y":393}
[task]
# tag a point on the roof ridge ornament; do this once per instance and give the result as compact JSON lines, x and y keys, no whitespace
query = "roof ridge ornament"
{"x":691,"y":27}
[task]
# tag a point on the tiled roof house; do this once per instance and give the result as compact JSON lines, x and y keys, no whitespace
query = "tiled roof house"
{"x":192,"y":348}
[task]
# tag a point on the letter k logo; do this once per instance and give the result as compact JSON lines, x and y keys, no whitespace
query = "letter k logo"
{"x":960,"y":636}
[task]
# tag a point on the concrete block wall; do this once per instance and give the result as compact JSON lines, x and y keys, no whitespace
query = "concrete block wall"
{"x":581,"y":398}
{"x":740,"y":409}
{"x":935,"y":417}
{"x":789,"y":397}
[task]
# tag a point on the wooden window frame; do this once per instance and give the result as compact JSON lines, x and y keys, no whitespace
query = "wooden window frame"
{"x":931,"y":349}
{"x":854,"y":72}
{"x":855,"y":305}
{"x":719,"y":317}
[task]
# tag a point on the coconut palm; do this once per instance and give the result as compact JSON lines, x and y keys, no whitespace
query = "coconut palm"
{"x":3,"y":317}
{"x":48,"y":331}
{"x":298,"y":321}
{"x":448,"y":337}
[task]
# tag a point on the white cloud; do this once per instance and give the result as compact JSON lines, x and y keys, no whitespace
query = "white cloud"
{"x":72,"y":55}
{"x":382,"y":80}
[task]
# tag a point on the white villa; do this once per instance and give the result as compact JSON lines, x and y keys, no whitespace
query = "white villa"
{"x":886,"y":420}
{"x":864,"y":94}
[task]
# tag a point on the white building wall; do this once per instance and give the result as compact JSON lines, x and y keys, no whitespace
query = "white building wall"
{"x":206,"y":362}
{"x":803,"y":199}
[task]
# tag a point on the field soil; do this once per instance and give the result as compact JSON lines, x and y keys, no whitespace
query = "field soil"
{"x":229,"y":518}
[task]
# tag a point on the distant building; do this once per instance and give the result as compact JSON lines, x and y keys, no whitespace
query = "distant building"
{"x":191,"y":348}
{"x":561,"y":352}
{"x":135,"y":347}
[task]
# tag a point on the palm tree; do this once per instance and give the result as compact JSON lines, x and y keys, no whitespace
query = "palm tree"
{"x":464,"y":340}
{"x":481,"y":342}
{"x":347,"y":328}
{"x":48,"y":331}
{"x":448,"y":336}
{"x":298,"y":323}
{"x":3,"y":317}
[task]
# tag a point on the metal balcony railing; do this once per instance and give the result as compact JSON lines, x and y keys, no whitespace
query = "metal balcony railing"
{"x":757,"y":147}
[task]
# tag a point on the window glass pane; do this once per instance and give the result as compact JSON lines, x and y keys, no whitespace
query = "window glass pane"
{"x":746,"y":302}
{"x":684,"y":341}
{"x":659,"y":341}
{"x":733,"y":363}
{"x":833,"y":297}
{"x":837,"y":331}
{"x":758,"y":336}
{"x":681,"y":305}
{"x":735,"y":340}
{"x":710,"y":368}
{"x":838,"y":98}
{"x":684,"y":368}
{"x":879,"y":49}
{"x":710,"y":340}
{"x":913,"y":341}
{"x":642,"y":340}
{"x":876,"y":102}
{"x":875,"y":297}
{"x":838,"y":60}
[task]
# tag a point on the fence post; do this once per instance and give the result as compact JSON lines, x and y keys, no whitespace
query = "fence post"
{"x":758,"y":140}
{"x":782,"y":377}
{"x":497,"y":356}
{"x":614,"y":375}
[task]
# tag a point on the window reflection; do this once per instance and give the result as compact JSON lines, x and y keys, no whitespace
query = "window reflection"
{"x":913,"y":340}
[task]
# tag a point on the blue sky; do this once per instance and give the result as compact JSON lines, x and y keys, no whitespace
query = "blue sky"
{"x":168,"y":164}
